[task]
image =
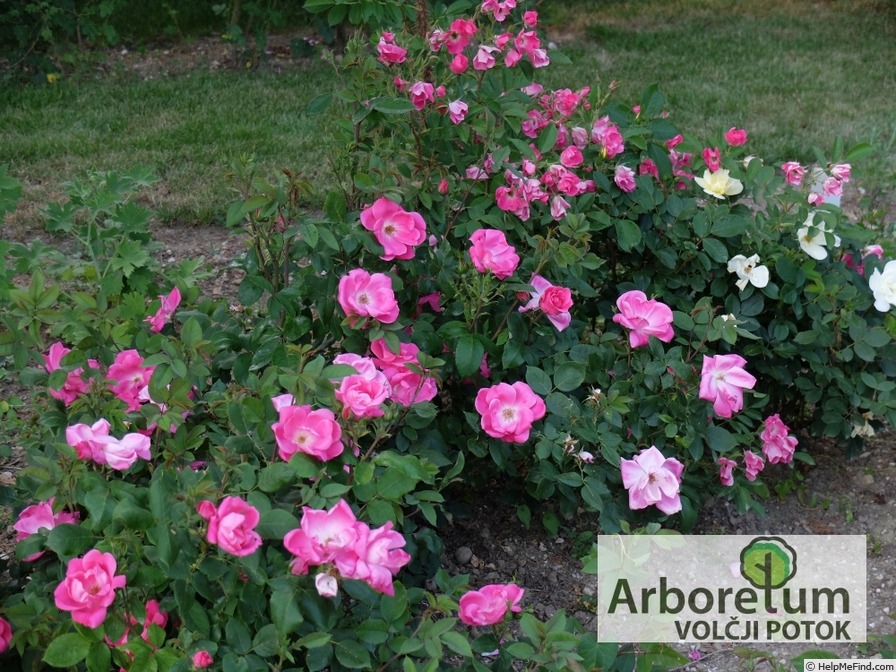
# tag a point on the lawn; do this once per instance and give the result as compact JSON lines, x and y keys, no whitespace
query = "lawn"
{"x":795,"y":74}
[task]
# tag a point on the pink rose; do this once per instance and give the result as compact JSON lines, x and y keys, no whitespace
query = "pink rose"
{"x":408,"y":387}
{"x":559,"y":206}
{"x":712,"y":157}
{"x":735,"y":137}
{"x":459,"y":64}
{"x":443,"y":186}
{"x":625,"y":179}
{"x":571,"y":157}
{"x":397,"y":230}
{"x":129,"y":377}
{"x":88,"y":440}
{"x":168,"y":305}
{"x":530,"y":18}
{"x":484,"y":58}
{"x":315,"y":433}
{"x":652,"y":479}
{"x":723,"y":381}
{"x":644,"y":318}
{"x":457,"y":110}
{"x":648,"y":167}
{"x":326,"y":585}
{"x":231,"y":526}
{"x":421,"y":93}
{"x":122,"y":454}
{"x":608,"y":136}
{"x":5,"y":634}
{"x":793,"y":173}
{"x":842,"y":171}
{"x":389,"y":52}
{"x":202,"y":659}
{"x":363,"y":397}
{"x":777,"y":444}
{"x":491,"y":252}
{"x":75,"y":385}
{"x":361,"y":294}
{"x":322,"y":536}
{"x":726,"y":467}
{"x":458,"y":36}
{"x":508,"y":411}
{"x":89,"y":588}
{"x":557,"y":305}
{"x":377,"y":556}
{"x":489,"y":604}
{"x":753,"y":464}
{"x":37,"y":517}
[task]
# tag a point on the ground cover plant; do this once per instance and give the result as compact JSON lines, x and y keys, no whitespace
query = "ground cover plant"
{"x":552,"y":287}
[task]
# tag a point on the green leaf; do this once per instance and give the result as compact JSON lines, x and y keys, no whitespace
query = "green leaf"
{"x":319,"y":104}
{"x":99,"y":658}
{"x":238,"y":636}
{"x":393,"y":105}
{"x":468,"y":355}
{"x":628,"y":235}
{"x":276,"y":476}
{"x":548,"y":139}
{"x":720,"y":439}
{"x":569,"y":376}
{"x":538,"y":380}
{"x":67,"y":650}
{"x":352,"y":655}
{"x":730,"y":226}
{"x":857,"y":153}
{"x":69,"y":540}
{"x":315,"y":640}
{"x":275,"y":523}
{"x":876,"y":337}
{"x":457,"y":643}
{"x":716,"y":250}
{"x":266,"y":642}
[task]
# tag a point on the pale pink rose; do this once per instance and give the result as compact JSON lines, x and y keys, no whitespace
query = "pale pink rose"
{"x":652,"y":479}
{"x":712,"y":157}
{"x":232,"y":526}
{"x":489,"y":604}
{"x":735,"y":137}
{"x":579,"y":137}
{"x":457,"y":110}
{"x":559,"y":206}
{"x":815,"y":199}
{"x":571,"y":157}
{"x":88,"y":440}
{"x":842,"y":171}
{"x":499,"y":9}
{"x":389,"y":52}
{"x":396,"y":229}
{"x":40,"y":516}
{"x":723,"y":381}
{"x":793,"y":173}
{"x":168,"y":305}
{"x":322,"y":536}
{"x":459,"y":64}
{"x":315,"y":433}
{"x":539,"y":58}
{"x":363,"y":397}
{"x":89,"y":588}
{"x":876,"y":250}
{"x":377,"y":557}
{"x":129,"y":377}
{"x":644,"y":318}
{"x":421,"y":93}
{"x":508,"y":411}
{"x":363,"y":365}
{"x":284,"y":400}
{"x":326,"y":585}
{"x":726,"y":468}
{"x":361,"y":294}
{"x":491,"y":252}
{"x":5,"y":634}
{"x":753,"y":464}
{"x":475,"y":173}
{"x":532,"y":89}
{"x":485,"y":57}
{"x":556,"y":306}
{"x":202,"y":659}
{"x":625,"y":178}
{"x":832,"y":187}
{"x":122,"y":454}
{"x":777,"y":444}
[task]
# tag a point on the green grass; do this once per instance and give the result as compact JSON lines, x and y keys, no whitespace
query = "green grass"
{"x":794,"y":73}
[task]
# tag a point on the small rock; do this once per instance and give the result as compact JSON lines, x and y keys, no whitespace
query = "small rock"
{"x":463,"y":555}
{"x":553,"y":578}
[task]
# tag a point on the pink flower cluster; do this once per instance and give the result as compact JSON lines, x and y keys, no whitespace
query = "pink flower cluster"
{"x":93,"y":442}
{"x":777,"y":443}
{"x":231,"y":525}
{"x":336,"y":538}
{"x":607,"y":135}
{"x":552,"y":300}
{"x":509,"y":411}
{"x":75,"y":383}
{"x":490,"y":604}
{"x":89,"y":588}
{"x":129,"y":377}
{"x":388,"y":52}
{"x":652,"y":480}
{"x":397,"y":230}
{"x":38,"y":517}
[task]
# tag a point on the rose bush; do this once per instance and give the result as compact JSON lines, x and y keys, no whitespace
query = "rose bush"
{"x":510,"y":282}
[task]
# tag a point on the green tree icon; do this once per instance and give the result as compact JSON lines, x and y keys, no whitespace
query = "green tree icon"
{"x":768,"y":562}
